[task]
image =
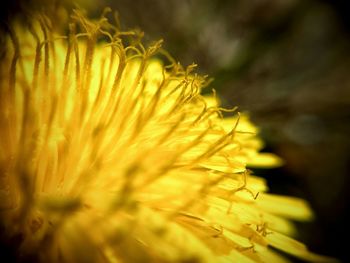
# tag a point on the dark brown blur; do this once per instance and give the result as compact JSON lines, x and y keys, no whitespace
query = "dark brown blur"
{"x":287,"y":63}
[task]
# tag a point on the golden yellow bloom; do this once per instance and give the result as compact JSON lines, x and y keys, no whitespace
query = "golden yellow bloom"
{"x":107,"y":155}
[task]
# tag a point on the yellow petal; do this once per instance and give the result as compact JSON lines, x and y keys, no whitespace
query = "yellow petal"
{"x":265,"y":160}
{"x":290,"y":207}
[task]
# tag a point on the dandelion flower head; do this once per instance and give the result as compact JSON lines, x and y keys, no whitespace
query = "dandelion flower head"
{"x":108,"y":154}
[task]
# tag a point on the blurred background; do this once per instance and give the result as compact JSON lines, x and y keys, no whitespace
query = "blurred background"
{"x":287,"y":63}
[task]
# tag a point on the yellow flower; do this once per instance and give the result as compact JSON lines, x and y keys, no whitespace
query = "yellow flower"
{"x":107,"y":155}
